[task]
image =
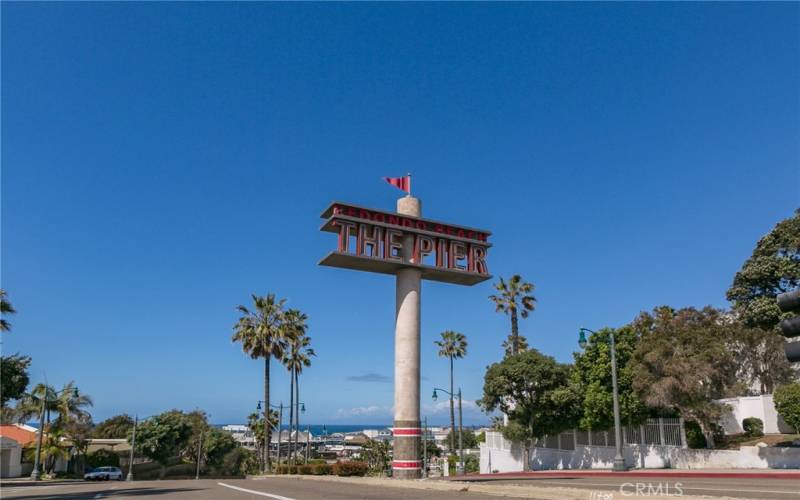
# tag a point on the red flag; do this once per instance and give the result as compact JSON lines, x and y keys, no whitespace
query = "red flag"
{"x":403,"y":183}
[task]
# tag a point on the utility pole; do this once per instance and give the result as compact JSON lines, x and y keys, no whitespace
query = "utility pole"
{"x":461,"y":435}
{"x":133,"y":446}
{"x":199,"y":452}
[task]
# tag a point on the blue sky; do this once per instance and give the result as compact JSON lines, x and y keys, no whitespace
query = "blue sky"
{"x":160,"y":162}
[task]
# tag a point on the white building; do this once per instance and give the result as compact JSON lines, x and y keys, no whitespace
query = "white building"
{"x":242,"y":434}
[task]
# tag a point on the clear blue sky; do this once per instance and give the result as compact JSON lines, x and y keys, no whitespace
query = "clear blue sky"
{"x":160,"y":162}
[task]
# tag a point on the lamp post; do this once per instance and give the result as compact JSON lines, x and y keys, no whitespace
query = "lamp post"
{"x":299,"y":408}
{"x":133,"y":445}
{"x":266,"y":423}
{"x":425,"y":448}
{"x":35,"y":473}
{"x":619,"y":461}
{"x":460,"y":425}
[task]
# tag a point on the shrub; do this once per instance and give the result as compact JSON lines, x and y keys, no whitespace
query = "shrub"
{"x":787,"y":403}
{"x":695,"y":438}
{"x":322,"y":469}
{"x":287,"y":469}
{"x":305,"y":469}
{"x":102,"y":458}
{"x":753,"y":427}
{"x":238,"y":462}
{"x":351,"y":468}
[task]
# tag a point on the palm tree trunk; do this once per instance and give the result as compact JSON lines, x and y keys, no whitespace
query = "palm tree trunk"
{"x":514,"y":333}
{"x":297,"y":413}
{"x":291,"y":414}
{"x":267,"y":439}
{"x":452,"y":413}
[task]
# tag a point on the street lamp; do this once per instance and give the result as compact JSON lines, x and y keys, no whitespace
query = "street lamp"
{"x":460,"y":425}
{"x":35,"y":473}
{"x":266,"y":423}
{"x":619,"y":461}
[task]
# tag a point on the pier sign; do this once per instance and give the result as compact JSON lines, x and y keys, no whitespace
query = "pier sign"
{"x":412,"y":249}
{"x":374,"y":240}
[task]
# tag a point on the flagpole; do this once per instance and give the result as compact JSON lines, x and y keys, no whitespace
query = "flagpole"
{"x":409,"y":184}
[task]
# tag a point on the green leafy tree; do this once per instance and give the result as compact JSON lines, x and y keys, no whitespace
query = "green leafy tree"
{"x":116,"y":427}
{"x":452,"y":346}
{"x":787,"y":403}
{"x":5,"y":308}
{"x":262,"y":335}
{"x":773,"y":268}
{"x":535,"y":392}
{"x":760,"y":357}
{"x":514,"y":298}
{"x":296,"y":357}
{"x":469,"y":438}
{"x":592,"y":373}
{"x":78,"y":431}
{"x":216,"y":445}
{"x":163,"y":437}
{"x":376,"y":453}
{"x":13,"y":377}
{"x":683,"y":363}
{"x":432,"y":449}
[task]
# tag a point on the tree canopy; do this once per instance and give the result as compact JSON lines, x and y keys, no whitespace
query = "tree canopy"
{"x":773,"y":268}
{"x":514,"y":298}
{"x":13,"y":377}
{"x":116,"y":427}
{"x":684,"y":363}
{"x":163,"y":436}
{"x":534,"y":391}
{"x":592,"y":374}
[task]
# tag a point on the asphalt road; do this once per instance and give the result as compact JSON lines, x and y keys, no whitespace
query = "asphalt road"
{"x":750,"y":488}
{"x":233,"y":489}
{"x":597,"y":488}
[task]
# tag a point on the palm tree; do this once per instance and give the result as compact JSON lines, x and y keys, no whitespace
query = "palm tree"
{"x":296,"y":358}
{"x":454,"y":346}
{"x":262,"y":336}
{"x":5,"y":308}
{"x":514,"y":296}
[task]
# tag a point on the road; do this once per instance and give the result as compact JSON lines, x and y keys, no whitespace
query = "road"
{"x":750,"y":488}
{"x":233,"y":489}
{"x":596,"y":488}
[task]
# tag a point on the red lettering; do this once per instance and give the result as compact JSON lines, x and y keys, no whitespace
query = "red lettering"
{"x":393,"y":219}
{"x":420,"y":225}
{"x":379,"y":217}
{"x":439,"y":228}
{"x":351,"y":211}
{"x":460,"y":233}
{"x":408,"y":223}
{"x":363,"y":214}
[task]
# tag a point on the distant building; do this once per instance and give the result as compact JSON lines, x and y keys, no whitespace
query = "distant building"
{"x":242,"y":435}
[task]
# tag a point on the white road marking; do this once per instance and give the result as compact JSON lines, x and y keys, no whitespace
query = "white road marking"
{"x":685,"y":488}
{"x":254,"y":492}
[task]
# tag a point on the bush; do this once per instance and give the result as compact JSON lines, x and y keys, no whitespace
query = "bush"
{"x":753,"y":427}
{"x":351,"y":468}
{"x":320,"y":469}
{"x":695,"y":438}
{"x":286,"y":469}
{"x":304,"y":469}
{"x":102,"y":458}
{"x":787,"y":403}
{"x":238,"y":462}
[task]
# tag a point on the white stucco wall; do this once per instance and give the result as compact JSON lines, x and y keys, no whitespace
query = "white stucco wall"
{"x":508,"y":458}
{"x":10,"y":457}
{"x":762,"y":407}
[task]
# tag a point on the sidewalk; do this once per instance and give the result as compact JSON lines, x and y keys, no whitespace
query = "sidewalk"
{"x":532,"y":491}
{"x":26,"y":481}
{"x":670,"y":473}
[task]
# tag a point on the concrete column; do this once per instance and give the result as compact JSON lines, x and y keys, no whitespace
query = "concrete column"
{"x":406,"y":462}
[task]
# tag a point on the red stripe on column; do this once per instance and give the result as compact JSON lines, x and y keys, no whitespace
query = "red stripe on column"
{"x":406,"y":464}
{"x":407,"y":431}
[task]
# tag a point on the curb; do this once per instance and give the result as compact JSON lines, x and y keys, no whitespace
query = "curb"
{"x":650,"y":473}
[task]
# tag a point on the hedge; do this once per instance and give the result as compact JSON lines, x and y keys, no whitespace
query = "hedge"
{"x":351,"y":468}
